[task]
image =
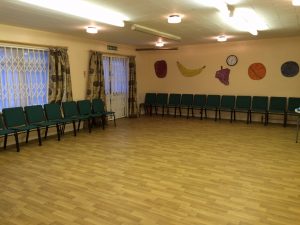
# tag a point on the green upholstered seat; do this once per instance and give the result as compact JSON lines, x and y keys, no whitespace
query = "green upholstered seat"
{"x":186,"y":103}
{"x":35,"y":116}
{"x":98,"y":107}
{"x":242,"y":105}
{"x":227,"y":105}
{"x":14,"y":119}
{"x":260,"y":106}
{"x":199,"y":103}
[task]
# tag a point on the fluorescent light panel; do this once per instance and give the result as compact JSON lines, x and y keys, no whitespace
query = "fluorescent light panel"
{"x":221,"y":38}
{"x":296,"y":2}
{"x":82,"y":9}
{"x":174,"y":19}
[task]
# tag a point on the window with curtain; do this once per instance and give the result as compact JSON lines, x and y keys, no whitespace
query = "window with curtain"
{"x":24,"y":76}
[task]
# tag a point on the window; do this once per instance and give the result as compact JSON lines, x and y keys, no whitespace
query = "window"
{"x":23,"y":76}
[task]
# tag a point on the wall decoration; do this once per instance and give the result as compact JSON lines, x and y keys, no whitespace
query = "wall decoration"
{"x":232,"y":60}
{"x":290,"y":69}
{"x":257,"y":71}
{"x":161,"y":68}
{"x":223,"y":75}
{"x":189,"y":72}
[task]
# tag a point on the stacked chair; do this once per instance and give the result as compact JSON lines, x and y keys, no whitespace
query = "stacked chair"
{"x":199,"y":104}
{"x":174,"y":103}
{"x":212,"y":104}
{"x":186,"y":103}
{"x":227,"y":105}
{"x":260,"y":106}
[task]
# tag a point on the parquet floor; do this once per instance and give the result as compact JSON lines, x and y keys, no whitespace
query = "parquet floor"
{"x":154,"y":171}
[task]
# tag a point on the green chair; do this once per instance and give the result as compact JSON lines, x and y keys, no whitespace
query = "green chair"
{"x":278,"y":107}
{"x":4,"y":132}
{"x":260,"y":106}
{"x":293,"y":103}
{"x":98,"y":108}
{"x":35,"y":116}
{"x":85,"y":108}
{"x":242,"y":105}
{"x":186,"y":103}
{"x":161,"y":102}
{"x":53,"y":113}
{"x":212,"y":104}
{"x":227,"y":105}
{"x":199,"y":103}
{"x":14,"y":119}
{"x":150,"y":101}
{"x":174,"y":103}
{"x":70,"y":111}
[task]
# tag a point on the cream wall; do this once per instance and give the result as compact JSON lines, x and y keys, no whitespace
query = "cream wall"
{"x":272,"y":53}
{"x":78,"y":50}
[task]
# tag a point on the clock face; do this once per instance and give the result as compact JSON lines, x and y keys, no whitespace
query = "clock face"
{"x":231,"y":60}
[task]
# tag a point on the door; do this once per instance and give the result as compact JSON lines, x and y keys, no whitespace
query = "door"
{"x":116,"y":72}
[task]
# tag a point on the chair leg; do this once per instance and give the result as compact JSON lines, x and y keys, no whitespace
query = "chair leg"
{"x":266,"y":119}
{"x":58,"y":132}
{"x":46,"y":132}
{"x":284,"y":119}
{"x":39,"y":136}
{"x":74,"y":128}
{"x":201,"y":113}
{"x":103,"y":118}
{"x":231,"y":112}
{"x":78,"y":125}
{"x":249,"y":119}
{"x":175,"y":111}
{"x":89,"y":125}
{"x":234,"y":115}
{"x":27,"y":136}
{"x":115,"y":120}
{"x":188,"y":112}
{"x":5,"y":141}
{"x":17,"y":141}
{"x":219,"y":114}
{"x":163,"y":111}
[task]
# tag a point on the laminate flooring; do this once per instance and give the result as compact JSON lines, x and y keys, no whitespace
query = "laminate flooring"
{"x":155,"y":171}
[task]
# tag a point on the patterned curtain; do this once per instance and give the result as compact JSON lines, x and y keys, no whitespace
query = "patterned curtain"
{"x":60,"y":87}
{"x":95,"y":86}
{"x":132,"y":98}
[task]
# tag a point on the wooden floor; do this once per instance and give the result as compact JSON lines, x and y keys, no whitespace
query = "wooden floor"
{"x":155,"y":171}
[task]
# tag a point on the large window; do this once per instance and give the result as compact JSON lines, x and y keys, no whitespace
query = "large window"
{"x":23,"y":76}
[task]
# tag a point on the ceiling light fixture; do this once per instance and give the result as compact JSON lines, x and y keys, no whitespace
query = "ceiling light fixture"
{"x":296,"y":2}
{"x":82,"y":9}
{"x":221,"y":38}
{"x":159,"y":44}
{"x":174,"y":18}
{"x":154,"y":32}
{"x":92,"y":30}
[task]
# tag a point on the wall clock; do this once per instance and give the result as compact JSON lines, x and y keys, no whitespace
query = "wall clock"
{"x":231,"y":60}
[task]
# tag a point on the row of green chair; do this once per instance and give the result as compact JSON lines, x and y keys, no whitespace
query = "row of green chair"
{"x":17,"y":120}
{"x":217,"y":103}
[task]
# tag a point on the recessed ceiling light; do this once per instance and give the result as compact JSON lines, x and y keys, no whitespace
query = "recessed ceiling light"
{"x":159,"y":44}
{"x":92,"y":30}
{"x":296,"y":2}
{"x":174,"y":19}
{"x":221,"y":38}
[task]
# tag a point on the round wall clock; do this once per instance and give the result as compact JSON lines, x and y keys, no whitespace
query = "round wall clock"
{"x":231,"y":60}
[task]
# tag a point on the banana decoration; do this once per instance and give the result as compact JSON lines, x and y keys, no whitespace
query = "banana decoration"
{"x":189,"y":72}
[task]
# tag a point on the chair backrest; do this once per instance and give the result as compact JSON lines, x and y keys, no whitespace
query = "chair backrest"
{"x":98,"y":106}
{"x":150,"y":98}
{"x":34,"y":114}
{"x":162,"y":99}
{"x":293,"y":104}
{"x":2,"y":126}
{"x":278,"y":104}
{"x":199,"y":100}
{"x":213,"y":101}
{"x":14,"y":117}
{"x":228,"y":101}
{"x":187,"y":100}
{"x":243,"y":102}
{"x":70,"y":109}
{"x":53,"y":111}
{"x":84,"y":107}
{"x":174,"y":99}
{"x":259,"y":103}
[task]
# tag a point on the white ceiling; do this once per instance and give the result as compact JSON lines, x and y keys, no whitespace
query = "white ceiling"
{"x":200,"y":24}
